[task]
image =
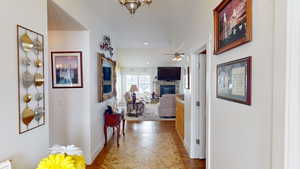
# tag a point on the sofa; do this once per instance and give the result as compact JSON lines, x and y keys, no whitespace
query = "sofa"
{"x":167,"y":106}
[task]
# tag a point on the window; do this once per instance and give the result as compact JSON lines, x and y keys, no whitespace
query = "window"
{"x":143,"y":82}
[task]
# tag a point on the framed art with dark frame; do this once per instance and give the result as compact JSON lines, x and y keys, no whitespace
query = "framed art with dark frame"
{"x":232,"y":24}
{"x":107,"y":78}
{"x":67,"y":69}
{"x":234,"y":80}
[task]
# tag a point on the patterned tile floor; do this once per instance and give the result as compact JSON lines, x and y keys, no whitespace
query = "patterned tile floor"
{"x":147,"y":145}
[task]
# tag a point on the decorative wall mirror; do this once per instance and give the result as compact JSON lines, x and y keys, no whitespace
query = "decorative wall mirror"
{"x":107,"y":78}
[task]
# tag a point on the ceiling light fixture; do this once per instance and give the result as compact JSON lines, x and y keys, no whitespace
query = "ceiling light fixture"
{"x":177,"y":58}
{"x":146,"y":43}
{"x":133,"y":5}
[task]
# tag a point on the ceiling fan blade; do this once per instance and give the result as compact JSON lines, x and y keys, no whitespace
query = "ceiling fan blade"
{"x":180,"y":47}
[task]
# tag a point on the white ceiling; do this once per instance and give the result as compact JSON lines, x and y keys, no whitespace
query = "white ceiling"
{"x":144,"y":57}
{"x":58,"y":19}
{"x":155,"y":24}
{"x":164,"y":24}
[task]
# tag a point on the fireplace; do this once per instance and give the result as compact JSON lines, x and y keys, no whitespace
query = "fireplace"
{"x":167,"y":89}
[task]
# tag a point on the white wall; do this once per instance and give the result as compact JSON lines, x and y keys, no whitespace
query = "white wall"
{"x":241,"y":135}
{"x":69,"y":108}
{"x":87,"y":14}
{"x":27,"y":149}
{"x":293,"y":83}
{"x":188,"y":109}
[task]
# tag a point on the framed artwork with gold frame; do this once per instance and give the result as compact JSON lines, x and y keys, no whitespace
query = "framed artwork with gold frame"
{"x":232,"y":24}
{"x":107,"y":78}
{"x":31,"y":93}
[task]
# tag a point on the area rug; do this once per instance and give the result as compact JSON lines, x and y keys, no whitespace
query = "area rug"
{"x":150,"y":114}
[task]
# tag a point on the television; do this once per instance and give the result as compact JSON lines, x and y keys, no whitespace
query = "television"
{"x":169,"y":73}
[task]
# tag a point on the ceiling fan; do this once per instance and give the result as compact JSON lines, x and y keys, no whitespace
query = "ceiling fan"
{"x":177,"y":57}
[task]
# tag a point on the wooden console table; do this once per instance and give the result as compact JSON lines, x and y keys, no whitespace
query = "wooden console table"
{"x":114,"y":120}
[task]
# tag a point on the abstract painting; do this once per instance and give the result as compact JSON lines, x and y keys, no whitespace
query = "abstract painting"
{"x":67,"y":69}
{"x":107,"y":78}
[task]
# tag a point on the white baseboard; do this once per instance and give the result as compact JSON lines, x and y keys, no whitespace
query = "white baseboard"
{"x":99,"y":148}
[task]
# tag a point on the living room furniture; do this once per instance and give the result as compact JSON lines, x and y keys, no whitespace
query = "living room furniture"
{"x":114,"y":120}
{"x":180,"y":116}
{"x":167,"y":106}
{"x":129,"y":103}
{"x":139,"y":107}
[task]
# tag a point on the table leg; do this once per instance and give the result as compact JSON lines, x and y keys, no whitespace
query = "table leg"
{"x":118,"y":134}
{"x":123,"y":127}
{"x":105,"y":134}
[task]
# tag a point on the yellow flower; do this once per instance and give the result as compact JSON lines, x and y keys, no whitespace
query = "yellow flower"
{"x":57,"y":161}
{"x":79,"y":162}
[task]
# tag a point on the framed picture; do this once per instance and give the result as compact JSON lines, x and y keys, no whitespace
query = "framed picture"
{"x":107,"y":78}
{"x":67,"y":69}
{"x":233,"y":24}
{"x":234,"y":81}
{"x":31,"y":89}
{"x":187,"y":78}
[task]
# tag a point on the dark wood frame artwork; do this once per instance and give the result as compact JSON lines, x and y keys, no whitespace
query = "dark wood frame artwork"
{"x":248,"y":60}
{"x":19,"y":85}
{"x":101,"y":60}
{"x":237,"y":43}
{"x":53,"y":71}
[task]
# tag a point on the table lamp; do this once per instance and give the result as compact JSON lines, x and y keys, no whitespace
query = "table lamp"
{"x":134,"y":89}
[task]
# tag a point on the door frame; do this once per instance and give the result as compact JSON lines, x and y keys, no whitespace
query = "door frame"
{"x":286,"y":128}
{"x":208,"y":46}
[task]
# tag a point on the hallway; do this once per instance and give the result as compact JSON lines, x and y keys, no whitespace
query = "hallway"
{"x":147,"y":145}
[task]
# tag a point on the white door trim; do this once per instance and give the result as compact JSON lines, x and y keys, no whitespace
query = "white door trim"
{"x":286,"y":127}
{"x":209,"y":49}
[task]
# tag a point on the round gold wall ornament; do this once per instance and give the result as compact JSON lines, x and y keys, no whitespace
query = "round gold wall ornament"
{"x":27,"y":116}
{"x":39,"y":113}
{"x":38,"y":63}
{"x":27,"y":79}
{"x":26,"y":42}
{"x":26,"y":61}
{"x":37,"y":45}
{"x":39,"y":96}
{"x":27,"y":98}
{"x":38,"y":79}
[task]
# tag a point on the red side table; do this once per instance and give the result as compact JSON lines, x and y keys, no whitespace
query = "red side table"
{"x":114,"y":120}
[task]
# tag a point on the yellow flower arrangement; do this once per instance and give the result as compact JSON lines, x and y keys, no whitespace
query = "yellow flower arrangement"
{"x":79,"y":162}
{"x":57,"y":161}
{"x":62,"y":161}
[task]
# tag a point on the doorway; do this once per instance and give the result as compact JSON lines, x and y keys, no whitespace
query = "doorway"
{"x":201,"y":103}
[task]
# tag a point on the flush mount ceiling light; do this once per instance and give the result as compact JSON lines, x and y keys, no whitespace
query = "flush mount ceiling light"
{"x":133,"y":5}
